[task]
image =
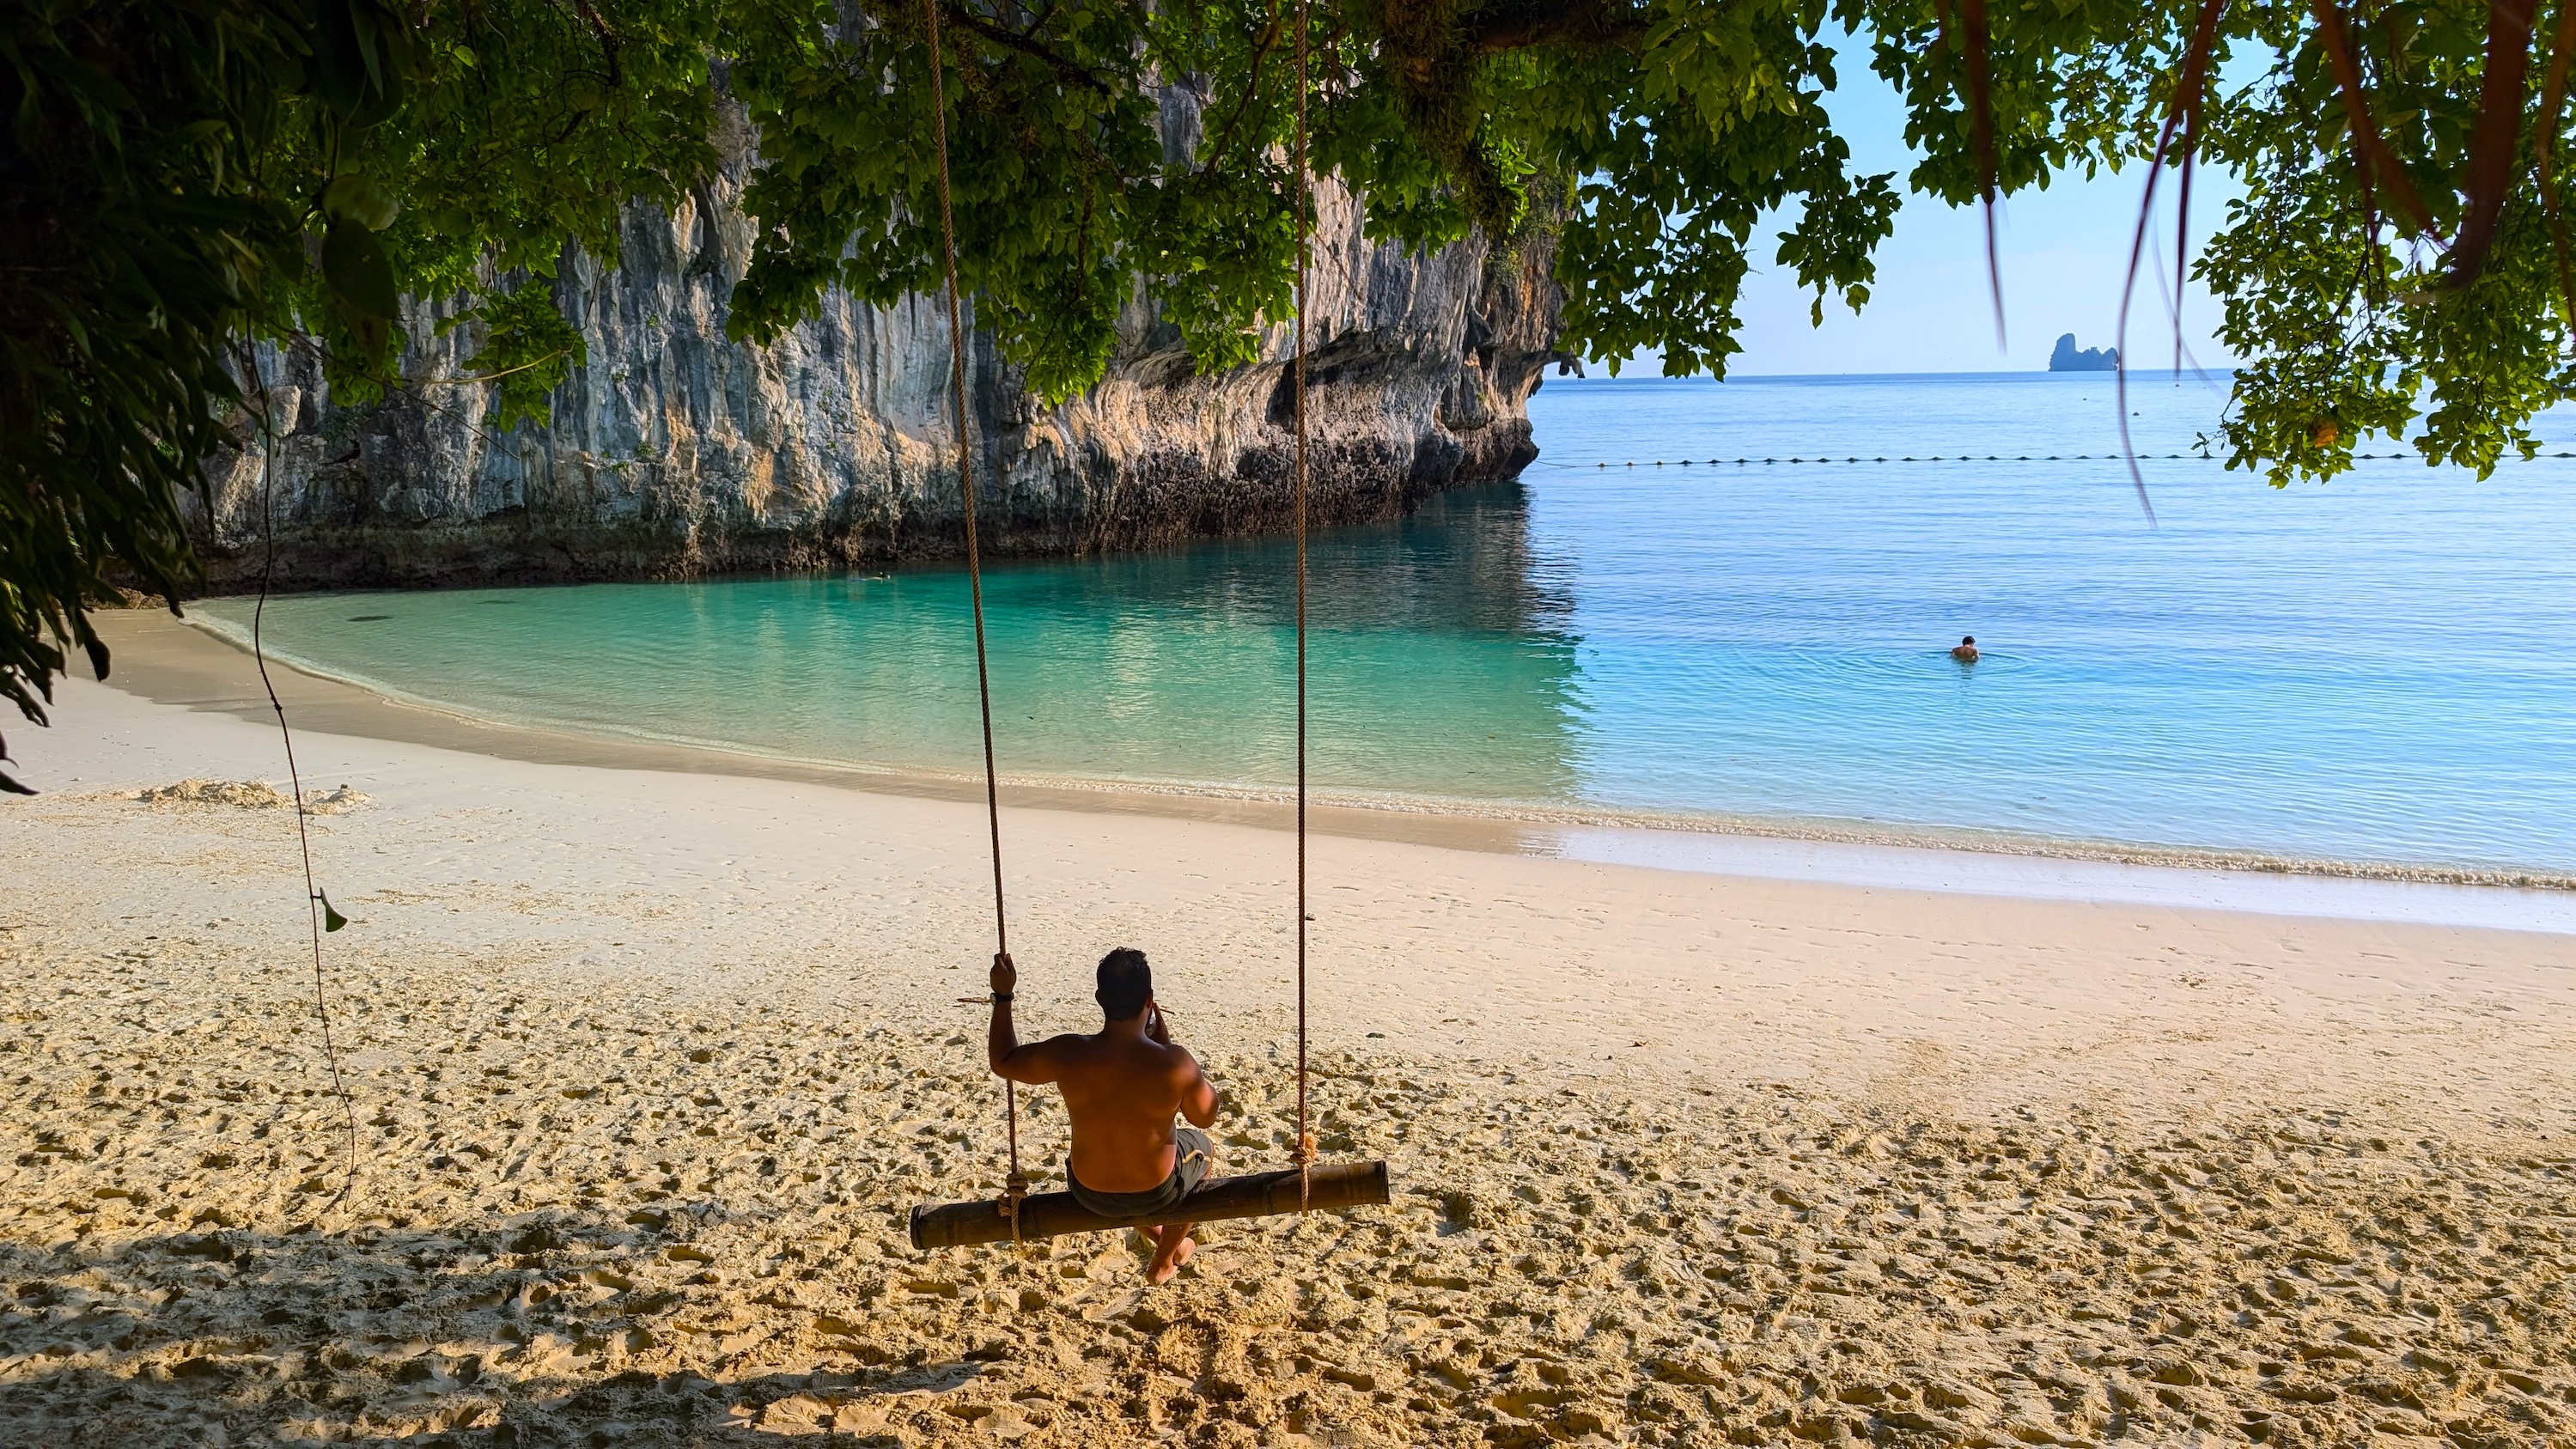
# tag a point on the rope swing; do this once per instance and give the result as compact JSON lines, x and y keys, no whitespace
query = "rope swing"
{"x":1015,"y":1188}
{"x":1305,"y":237}
{"x":1021,"y":1216}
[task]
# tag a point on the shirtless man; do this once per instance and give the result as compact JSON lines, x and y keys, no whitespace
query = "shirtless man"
{"x":1121,"y":1086}
{"x":1966,"y":653}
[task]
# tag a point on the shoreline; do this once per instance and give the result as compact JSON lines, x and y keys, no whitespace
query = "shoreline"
{"x":1688,"y":913}
{"x":199,"y":665}
{"x":651,"y":1062}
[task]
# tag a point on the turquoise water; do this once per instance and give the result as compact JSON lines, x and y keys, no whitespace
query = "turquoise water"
{"x":2375,"y":670}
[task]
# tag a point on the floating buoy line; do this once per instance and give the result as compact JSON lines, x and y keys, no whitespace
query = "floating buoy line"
{"x":1969,"y":458}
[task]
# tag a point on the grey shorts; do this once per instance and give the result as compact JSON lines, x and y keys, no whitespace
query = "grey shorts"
{"x":1192,"y":1157}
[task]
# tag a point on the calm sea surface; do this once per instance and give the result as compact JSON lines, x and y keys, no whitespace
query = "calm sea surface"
{"x":2379,"y":669}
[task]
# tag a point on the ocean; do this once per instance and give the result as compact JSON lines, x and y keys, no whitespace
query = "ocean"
{"x":1709,"y":605}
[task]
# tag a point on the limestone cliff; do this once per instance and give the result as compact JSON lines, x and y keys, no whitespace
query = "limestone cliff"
{"x":674,"y":451}
{"x":2070,"y":358}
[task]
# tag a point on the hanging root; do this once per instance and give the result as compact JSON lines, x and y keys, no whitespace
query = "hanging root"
{"x":315,"y":906}
{"x":2182,"y":116}
{"x":1981,"y":123}
{"x":2191,"y":97}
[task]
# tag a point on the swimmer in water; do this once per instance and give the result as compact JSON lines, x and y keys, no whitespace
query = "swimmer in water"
{"x":1966,"y":653}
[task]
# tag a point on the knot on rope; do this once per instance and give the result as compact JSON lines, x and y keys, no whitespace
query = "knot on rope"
{"x":1305,"y":1160}
{"x":1015,"y":1190}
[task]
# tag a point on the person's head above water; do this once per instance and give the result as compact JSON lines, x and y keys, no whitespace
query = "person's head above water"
{"x":1968,"y":642}
{"x":1126,"y":984}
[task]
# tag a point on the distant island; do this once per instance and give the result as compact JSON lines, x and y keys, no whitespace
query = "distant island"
{"x":2068,"y":358}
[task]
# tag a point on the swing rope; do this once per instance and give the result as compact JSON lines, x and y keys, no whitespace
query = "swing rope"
{"x":1015,"y":1188}
{"x":1305,"y":203}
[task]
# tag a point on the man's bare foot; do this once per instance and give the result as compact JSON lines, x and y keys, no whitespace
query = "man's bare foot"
{"x":1168,"y":1260}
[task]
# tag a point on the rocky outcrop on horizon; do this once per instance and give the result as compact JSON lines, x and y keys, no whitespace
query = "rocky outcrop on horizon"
{"x":2069,"y":358}
{"x":675,"y":452}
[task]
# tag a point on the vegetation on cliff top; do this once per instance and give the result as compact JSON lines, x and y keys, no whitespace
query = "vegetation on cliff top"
{"x":183,"y":175}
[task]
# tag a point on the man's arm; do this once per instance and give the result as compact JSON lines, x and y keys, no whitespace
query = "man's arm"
{"x":1198,"y":1098}
{"x":1036,"y":1063}
{"x":1198,"y":1094}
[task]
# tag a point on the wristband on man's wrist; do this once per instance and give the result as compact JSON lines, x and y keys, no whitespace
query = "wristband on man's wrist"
{"x":1001,"y":996}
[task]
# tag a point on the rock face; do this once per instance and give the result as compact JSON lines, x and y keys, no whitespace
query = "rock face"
{"x":2069,"y":358}
{"x":676,"y":452}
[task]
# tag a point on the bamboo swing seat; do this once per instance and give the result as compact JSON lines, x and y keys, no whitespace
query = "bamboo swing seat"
{"x":1307,"y":1185}
{"x":1251,"y":1195}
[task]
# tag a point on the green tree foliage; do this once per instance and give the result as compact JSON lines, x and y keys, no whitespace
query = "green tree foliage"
{"x":185,"y":177}
{"x":128,"y":257}
{"x":2416,"y":279}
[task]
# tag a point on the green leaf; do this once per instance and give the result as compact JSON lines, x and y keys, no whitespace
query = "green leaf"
{"x":338,"y":70}
{"x":360,"y":199}
{"x":360,"y":278}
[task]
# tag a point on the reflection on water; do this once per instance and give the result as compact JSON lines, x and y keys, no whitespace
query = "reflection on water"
{"x":1439,"y":664}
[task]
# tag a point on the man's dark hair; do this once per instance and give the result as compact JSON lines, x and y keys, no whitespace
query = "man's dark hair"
{"x":1970,"y":639}
{"x":1125,"y":982}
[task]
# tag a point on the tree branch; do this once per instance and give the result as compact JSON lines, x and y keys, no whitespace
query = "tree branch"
{"x":1521,"y":24}
{"x":609,"y":41}
{"x":2498,"y":135}
{"x":1251,"y":88}
{"x":1009,"y":39}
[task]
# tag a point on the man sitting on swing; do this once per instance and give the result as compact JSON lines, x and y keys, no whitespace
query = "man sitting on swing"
{"x":1121,"y":1086}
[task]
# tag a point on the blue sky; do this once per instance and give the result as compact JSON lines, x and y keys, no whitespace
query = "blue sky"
{"x":2064,"y":249}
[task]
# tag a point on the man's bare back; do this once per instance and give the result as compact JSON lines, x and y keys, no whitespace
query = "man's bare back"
{"x":1121,"y":1085}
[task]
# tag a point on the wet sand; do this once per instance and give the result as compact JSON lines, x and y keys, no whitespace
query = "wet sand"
{"x":647,"y":1063}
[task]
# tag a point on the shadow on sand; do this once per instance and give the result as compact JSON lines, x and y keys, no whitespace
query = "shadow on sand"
{"x":545,"y":1329}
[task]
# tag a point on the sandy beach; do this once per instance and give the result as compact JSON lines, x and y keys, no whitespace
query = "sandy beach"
{"x":648,"y":1057}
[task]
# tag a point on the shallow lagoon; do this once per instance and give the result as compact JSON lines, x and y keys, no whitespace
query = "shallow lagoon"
{"x":2377,"y":669}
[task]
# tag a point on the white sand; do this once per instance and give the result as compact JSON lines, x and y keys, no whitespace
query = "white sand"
{"x":647,"y":1066}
